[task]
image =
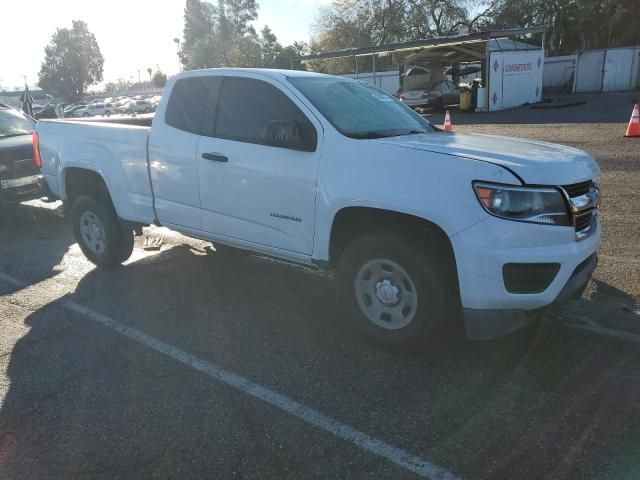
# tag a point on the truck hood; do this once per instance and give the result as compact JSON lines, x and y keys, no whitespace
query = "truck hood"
{"x":535,"y":162}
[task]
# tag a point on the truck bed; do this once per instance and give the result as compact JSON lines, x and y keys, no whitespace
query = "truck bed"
{"x":143,"y":120}
{"x":114,"y":151}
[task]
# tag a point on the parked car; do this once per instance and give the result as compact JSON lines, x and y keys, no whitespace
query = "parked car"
{"x":422,"y":226}
{"x":120,"y":105}
{"x":20,"y":179}
{"x":70,"y":110}
{"x":155,"y":100}
{"x":139,"y":106}
{"x":438,"y":94}
{"x":48,"y":111}
{"x":93,"y":109}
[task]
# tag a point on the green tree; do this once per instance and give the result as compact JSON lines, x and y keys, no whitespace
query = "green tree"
{"x":159,"y":79}
{"x":270,"y":48}
{"x":287,"y":58}
{"x":229,"y":41}
{"x":239,"y":13}
{"x":576,"y":24}
{"x":359,"y":23}
{"x":117,"y":87}
{"x":72,"y":62}
{"x":198,"y":21}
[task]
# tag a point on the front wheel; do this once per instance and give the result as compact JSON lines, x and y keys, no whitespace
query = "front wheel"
{"x":98,"y":231}
{"x":392,"y":290}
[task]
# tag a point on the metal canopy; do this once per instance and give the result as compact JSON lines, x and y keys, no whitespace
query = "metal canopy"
{"x":461,"y":43}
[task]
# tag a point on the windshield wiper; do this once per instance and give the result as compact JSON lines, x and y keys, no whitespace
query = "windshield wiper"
{"x":366,"y":135}
{"x":415,"y":132}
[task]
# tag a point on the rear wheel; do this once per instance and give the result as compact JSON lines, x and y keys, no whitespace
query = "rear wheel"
{"x":98,"y":231}
{"x":392,"y":290}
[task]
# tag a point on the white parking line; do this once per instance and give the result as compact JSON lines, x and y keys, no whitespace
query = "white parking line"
{"x":377,"y":447}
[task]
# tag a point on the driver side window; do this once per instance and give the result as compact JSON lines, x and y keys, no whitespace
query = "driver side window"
{"x":254,"y":111}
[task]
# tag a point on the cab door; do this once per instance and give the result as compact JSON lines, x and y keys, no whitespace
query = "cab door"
{"x":173,"y":146}
{"x":253,"y":189}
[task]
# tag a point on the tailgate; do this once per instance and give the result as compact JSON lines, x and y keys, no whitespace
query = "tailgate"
{"x":21,"y":168}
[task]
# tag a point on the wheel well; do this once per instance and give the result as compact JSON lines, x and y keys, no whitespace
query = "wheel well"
{"x":79,"y":181}
{"x":352,"y":222}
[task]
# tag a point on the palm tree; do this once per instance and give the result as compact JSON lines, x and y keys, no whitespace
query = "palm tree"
{"x":149,"y":71}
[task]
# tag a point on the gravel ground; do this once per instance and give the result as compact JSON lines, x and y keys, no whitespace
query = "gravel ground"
{"x":80,"y":400}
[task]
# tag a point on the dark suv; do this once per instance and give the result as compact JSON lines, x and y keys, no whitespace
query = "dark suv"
{"x":20,"y":179}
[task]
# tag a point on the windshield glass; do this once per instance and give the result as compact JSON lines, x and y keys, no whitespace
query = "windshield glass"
{"x":13,"y":123}
{"x":360,"y":111}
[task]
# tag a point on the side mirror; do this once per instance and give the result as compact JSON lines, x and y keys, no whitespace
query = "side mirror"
{"x":293,"y":135}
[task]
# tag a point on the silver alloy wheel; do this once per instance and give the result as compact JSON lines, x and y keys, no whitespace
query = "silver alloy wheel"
{"x":92,"y":232}
{"x":386,"y":294}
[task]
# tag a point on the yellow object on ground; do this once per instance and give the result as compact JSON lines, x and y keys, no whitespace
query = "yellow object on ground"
{"x":466,"y":100}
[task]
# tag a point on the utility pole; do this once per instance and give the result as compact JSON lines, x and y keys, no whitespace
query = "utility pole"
{"x":139,"y":80}
{"x":177,"y":42}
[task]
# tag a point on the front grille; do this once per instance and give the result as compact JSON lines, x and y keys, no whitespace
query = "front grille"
{"x":584,"y":211}
{"x":583,"y":221}
{"x":578,"y":189}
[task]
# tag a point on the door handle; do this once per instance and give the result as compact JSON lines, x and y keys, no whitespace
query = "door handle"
{"x":216,"y":157}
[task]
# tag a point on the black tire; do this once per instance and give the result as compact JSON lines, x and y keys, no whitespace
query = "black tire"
{"x":107,"y":113}
{"x":117,"y":241}
{"x":426,"y":326}
{"x":85,"y":114}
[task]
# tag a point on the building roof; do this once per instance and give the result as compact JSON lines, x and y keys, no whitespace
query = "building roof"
{"x":270,"y":72}
{"x":451,"y":40}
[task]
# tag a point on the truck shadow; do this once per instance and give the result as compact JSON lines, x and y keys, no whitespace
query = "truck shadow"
{"x":604,"y":306}
{"x":33,"y":241}
{"x":84,"y":402}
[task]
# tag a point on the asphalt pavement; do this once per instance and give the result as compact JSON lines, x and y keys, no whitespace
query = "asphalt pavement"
{"x":194,"y":361}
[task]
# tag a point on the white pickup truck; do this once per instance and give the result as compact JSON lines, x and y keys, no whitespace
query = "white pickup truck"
{"x":424,"y":227}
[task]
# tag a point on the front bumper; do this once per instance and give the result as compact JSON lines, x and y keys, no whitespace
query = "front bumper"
{"x":488,"y":324}
{"x":481,"y":252}
{"x":421,"y":102}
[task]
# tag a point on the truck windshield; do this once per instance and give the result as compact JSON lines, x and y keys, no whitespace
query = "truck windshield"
{"x":13,"y":123}
{"x":358,"y":110}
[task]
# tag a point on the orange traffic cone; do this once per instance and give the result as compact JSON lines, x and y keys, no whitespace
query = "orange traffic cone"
{"x":447,"y":123}
{"x":633,"y":130}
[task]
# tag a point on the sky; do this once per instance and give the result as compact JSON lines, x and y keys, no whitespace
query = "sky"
{"x":132,"y":34}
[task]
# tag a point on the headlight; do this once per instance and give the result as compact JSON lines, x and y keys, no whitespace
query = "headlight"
{"x":536,"y":205}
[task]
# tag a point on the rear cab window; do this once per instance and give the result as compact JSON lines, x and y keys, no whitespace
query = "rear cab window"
{"x":188,"y":102}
